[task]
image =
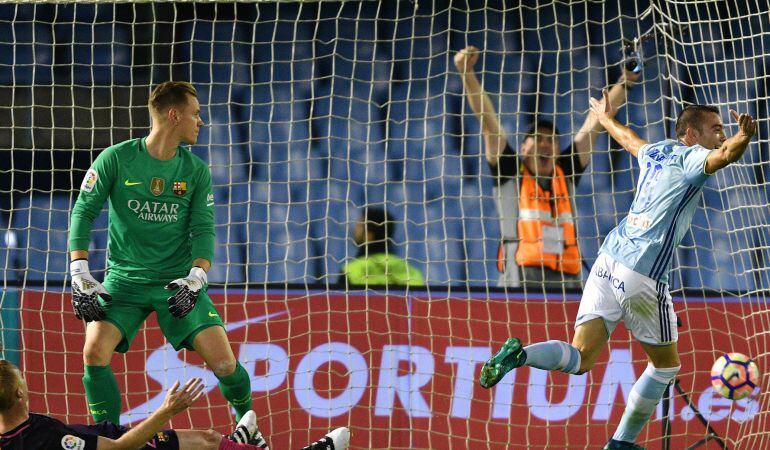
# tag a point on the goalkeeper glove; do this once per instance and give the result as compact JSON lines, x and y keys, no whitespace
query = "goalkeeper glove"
{"x":86,"y":292}
{"x":181,"y":303}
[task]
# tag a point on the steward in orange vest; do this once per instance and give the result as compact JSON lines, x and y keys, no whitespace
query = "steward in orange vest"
{"x":529,"y":252}
{"x":546,"y":225}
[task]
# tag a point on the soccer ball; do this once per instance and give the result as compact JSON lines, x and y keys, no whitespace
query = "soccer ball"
{"x":734,"y":376}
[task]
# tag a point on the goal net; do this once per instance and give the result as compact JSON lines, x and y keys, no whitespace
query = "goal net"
{"x":316,"y":111}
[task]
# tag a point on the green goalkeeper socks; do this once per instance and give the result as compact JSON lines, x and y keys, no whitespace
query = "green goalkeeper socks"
{"x":102,"y":393}
{"x":236,"y":388}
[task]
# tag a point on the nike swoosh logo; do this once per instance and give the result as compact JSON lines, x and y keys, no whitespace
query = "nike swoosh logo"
{"x":211,"y":314}
{"x":132,"y":183}
{"x":94,"y":404}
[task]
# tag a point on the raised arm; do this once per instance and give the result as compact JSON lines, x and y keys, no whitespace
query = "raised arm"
{"x":481,"y":104}
{"x":732,"y":149}
{"x":589,"y":132}
{"x":177,"y":400}
{"x":602,"y":111}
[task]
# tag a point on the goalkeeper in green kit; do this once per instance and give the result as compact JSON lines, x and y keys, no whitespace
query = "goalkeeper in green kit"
{"x":161,"y":244}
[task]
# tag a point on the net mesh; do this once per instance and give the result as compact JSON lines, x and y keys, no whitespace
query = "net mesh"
{"x":316,"y":110}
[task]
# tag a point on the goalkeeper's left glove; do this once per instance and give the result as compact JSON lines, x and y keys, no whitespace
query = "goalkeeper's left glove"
{"x":181,"y":303}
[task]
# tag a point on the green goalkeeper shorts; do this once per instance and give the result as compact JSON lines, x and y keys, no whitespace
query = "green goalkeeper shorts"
{"x":133,"y":301}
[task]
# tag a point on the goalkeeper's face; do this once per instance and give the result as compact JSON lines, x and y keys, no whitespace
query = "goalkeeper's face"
{"x":190,"y":121}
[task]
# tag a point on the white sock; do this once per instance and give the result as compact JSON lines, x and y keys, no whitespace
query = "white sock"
{"x":553,"y":355}
{"x":644,"y":397}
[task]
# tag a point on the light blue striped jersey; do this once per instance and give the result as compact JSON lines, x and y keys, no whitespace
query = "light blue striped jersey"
{"x":670,"y":181}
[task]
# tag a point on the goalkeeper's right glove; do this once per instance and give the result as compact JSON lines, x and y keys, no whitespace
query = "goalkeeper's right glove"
{"x":86,"y":292}
{"x":181,"y":303}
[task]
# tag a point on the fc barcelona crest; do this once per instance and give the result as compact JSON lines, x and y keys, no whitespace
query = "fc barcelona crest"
{"x":157,"y":185}
{"x":180,"y":188}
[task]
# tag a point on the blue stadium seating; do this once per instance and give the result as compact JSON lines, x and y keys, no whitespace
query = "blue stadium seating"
{"x":101,"y":54}
{"x":10,"y":267}
{"x":278,"y":230}
{"x":221,"y":143}
{"x":97,"y":255}
{"x":480,"y":232}
{"x":445,"y":250}
{"x":41,"y":224}
{"x":229,"y":265}
{"x":717,"y":260}
{"x":309,"y":120}
{"x":231,"y":214}
{"x":26,"y":53}
{"x":332,"y":219}
{"x":217,"y":51}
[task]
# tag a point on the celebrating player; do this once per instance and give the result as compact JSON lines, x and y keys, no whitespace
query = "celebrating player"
{"x":629,"y":280}
{"x":161,"y":244}
{"x":22,"y":430}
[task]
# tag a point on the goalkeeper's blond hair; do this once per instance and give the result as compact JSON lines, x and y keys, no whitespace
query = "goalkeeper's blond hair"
{"x":170,"y":94}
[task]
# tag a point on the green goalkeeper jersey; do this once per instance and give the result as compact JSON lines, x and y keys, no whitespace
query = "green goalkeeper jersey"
{"x":161,"y":213}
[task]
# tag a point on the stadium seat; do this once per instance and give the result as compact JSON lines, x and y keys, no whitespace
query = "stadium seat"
{"x":231,"y":215}
{"x":101,"y":54}
{"x":224,"y":147}
{"x":10,"y":267}
{"x":332,"y":225}
{"x":26,"y":52}
{"x":97,"y":254}
{"x":279,"y":134}
{"x":445,"y":254}
{"x":718,"y":260}
{"x":480,"y":234}
{"x":41,"y":224}
{"x":229,"y":265}
{"x":412,"y":242}
{"x":216,"y":51}
{"x":278,"y":231}
{"x":472,"y":142}
{"x":589,"y":237}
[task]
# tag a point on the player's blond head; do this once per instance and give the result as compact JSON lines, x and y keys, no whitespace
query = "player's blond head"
{"x":170,"y":94}
{"x":10,"y":380}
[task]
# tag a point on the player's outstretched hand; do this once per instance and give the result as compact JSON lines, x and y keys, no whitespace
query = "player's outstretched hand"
{"x":746,"y":124}
{"x":183,"y":301}
{"x":601,"y":109}
{"x":86,"y":292}
{"x":466,"y":58}
{"x":177,"y":400}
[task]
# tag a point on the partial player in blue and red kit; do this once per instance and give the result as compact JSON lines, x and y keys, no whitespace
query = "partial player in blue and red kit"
{"x":22,"y":430}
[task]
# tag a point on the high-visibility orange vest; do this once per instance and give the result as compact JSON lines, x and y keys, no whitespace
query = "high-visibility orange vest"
{"x":535,"y":212}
